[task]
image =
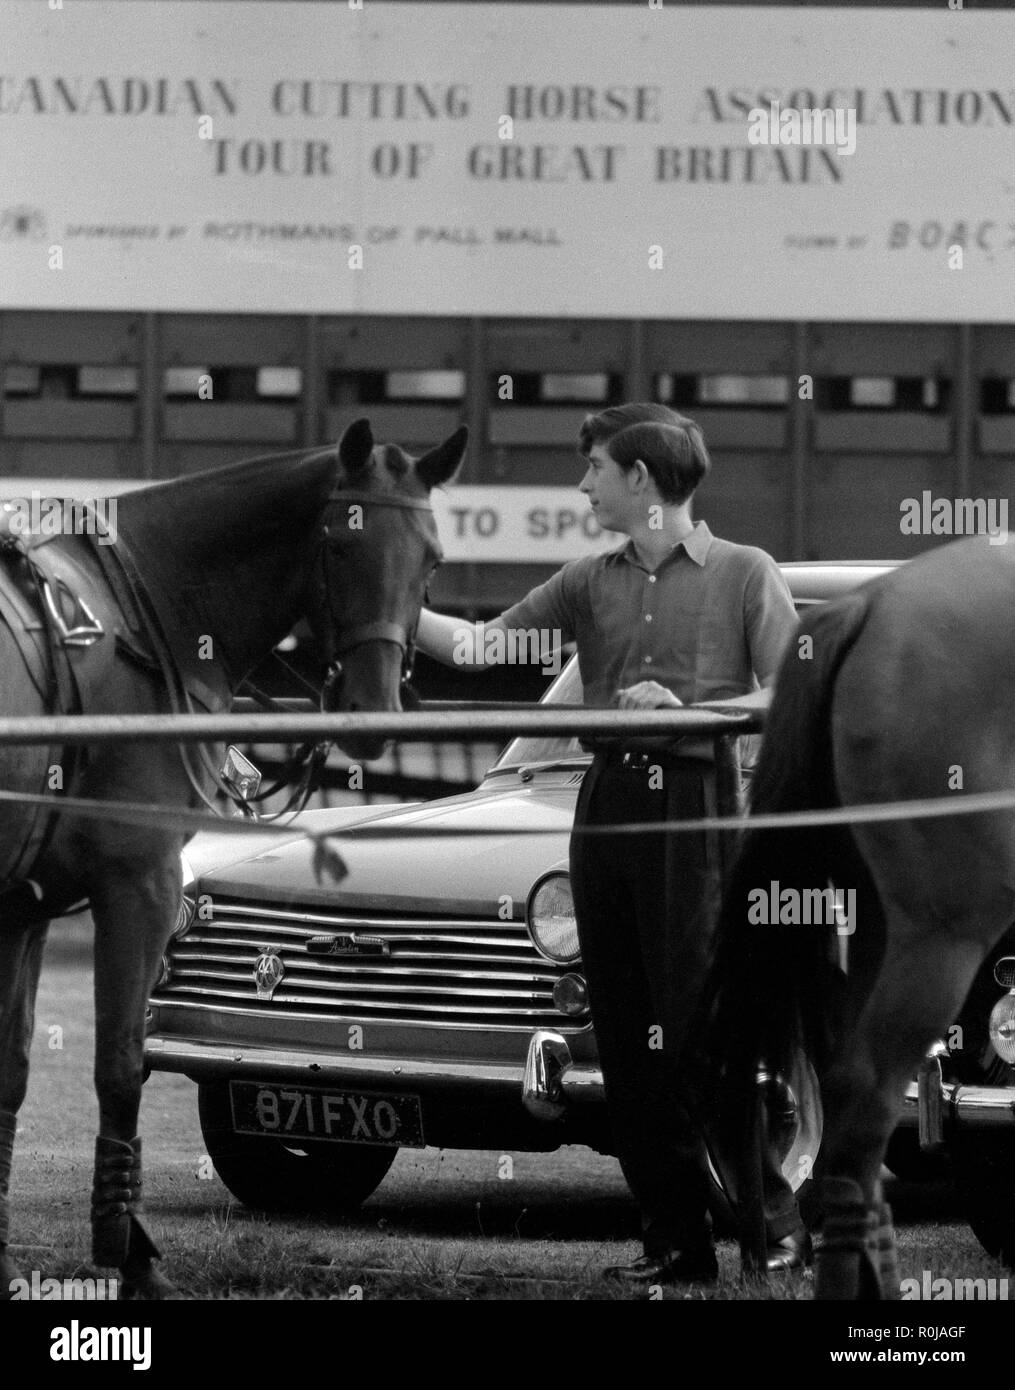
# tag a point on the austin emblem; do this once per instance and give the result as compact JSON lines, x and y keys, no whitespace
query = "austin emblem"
{"x":268,"y":972}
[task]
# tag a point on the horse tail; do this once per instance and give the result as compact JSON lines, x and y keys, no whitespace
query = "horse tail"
{"x":770,"y":988}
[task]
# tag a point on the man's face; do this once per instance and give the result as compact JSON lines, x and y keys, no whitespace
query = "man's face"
{"x":607,"y":487}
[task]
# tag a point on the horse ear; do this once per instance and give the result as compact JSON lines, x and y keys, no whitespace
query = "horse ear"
{"x":356,"y":446}
{"x":442,"y":462}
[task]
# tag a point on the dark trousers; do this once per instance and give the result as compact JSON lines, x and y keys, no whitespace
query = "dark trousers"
{"x":646,"y":906}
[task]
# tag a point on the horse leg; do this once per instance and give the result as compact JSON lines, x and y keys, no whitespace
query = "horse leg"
{"x":21,"y":945}
{"x":134,"y":906}
{"x":920,"y":989}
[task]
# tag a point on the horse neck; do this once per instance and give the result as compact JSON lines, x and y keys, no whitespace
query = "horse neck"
{"x":228,"y":554}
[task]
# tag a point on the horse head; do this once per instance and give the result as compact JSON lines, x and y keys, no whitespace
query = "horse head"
{"x":381,"y":548}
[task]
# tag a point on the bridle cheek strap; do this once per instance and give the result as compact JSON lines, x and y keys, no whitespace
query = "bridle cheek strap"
{"x":344,"y":640}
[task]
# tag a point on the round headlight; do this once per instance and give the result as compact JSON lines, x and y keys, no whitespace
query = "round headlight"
{"x":549,"y":916}
{"x":1002,"y":1028}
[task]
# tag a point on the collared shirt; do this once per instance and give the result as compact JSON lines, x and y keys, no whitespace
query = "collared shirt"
{"x":710,"y":622}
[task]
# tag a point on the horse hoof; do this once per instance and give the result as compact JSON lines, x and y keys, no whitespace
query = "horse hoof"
{"x":147,"y":1286}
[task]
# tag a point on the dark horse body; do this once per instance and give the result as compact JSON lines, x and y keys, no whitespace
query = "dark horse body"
{"x":905,"y":693}
{"x":232,"y":559}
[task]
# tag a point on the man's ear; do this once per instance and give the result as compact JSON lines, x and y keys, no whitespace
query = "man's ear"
{"x":641,"y":473}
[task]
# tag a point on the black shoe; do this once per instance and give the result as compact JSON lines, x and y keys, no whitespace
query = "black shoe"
{"x":696,"y":1266}
{"x":792,"y":1252}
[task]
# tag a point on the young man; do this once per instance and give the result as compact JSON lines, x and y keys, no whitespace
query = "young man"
{"x":673,"y":617}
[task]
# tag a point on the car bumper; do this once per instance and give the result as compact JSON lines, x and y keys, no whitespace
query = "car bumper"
{"x":203,"y":1061}
{"x":936,"y":1107}
{"x":553,"y":1080}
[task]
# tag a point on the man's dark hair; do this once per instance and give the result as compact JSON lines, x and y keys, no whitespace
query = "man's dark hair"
{"x":670,"y":445}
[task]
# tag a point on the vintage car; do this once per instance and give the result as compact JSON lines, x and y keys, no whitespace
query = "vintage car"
{"x":435,"y":997}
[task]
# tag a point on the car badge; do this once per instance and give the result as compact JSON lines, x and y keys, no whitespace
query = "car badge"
{"x":348,"y":944}
{"x":269,"y":972}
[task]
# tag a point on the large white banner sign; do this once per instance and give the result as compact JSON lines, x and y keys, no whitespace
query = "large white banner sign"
{"x":508,"y":159}
{"x":537,"y":525}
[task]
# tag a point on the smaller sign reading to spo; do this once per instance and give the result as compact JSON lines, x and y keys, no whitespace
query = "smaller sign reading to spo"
{"x":527,"y":525}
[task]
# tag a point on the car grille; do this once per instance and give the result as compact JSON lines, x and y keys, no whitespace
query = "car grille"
{"x":455,"y":971}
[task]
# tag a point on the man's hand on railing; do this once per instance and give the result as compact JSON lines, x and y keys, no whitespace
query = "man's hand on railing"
{"x":647,"y":695}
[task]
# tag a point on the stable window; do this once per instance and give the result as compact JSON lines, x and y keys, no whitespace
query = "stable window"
{"x":922,"y":394}
{"x":234,"y":384}
{"x":727,"y":390}
{"x":556,"y":388}
{"x":395,"y":388}
{"x":280,"y":383}
{"x":109,"y":383}
{"x":26,"y":381}
{"x":425,"y":386}
{"x":997,"y":395}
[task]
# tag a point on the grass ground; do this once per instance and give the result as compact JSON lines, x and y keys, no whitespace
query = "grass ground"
{"x":443,"y":1226}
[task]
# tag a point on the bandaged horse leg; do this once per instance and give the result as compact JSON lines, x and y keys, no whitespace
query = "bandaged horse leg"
{"x":118,"y":1237}
{"x":133,"y":917}
{"x":22,"y":940}
{"x":848,"y":1259}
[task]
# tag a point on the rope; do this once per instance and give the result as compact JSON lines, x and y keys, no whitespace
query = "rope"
{"x":981,"y":803}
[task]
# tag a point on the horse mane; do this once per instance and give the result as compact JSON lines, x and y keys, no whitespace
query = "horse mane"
{"x":211,"y":546}
{"x":215,"y":518}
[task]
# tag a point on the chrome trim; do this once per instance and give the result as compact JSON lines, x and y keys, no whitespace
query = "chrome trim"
{"x":552,"y":1079}
{"x":249,"y":944}
{"x":207,"y":1060}
{"x":310,"y":969}
{"x":546,"y":1058}
{"x":930,"y":1100}
{"x":271,"y":1018}
{"x":583,"y":1084}
{"x":232,"y":909}
{"x":441,"y":971}
{"x":970,"y":1107}
{"x":167,"y":996}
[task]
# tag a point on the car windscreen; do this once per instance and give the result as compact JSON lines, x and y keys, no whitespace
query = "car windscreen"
{"x":565,"y":690}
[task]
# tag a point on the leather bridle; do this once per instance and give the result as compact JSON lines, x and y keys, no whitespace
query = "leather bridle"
{"x":345,"y":638}
{"x":305,"y":765}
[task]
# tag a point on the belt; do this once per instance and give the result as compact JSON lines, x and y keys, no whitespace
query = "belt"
{"x":639,"y":760}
